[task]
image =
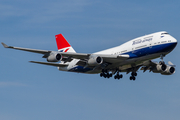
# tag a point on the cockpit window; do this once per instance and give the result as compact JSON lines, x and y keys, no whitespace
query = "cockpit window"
{"x":164,"y":33}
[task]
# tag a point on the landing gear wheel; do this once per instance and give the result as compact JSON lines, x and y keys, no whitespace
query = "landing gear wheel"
{"x":135,"y":74}
{"x":110,"y":75}
{"x":121,"y":76}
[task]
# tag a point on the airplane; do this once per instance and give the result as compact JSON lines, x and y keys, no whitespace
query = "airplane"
{"x":129,"y":57}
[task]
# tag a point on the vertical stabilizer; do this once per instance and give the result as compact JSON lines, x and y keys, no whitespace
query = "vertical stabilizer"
{"x":62,"y":44}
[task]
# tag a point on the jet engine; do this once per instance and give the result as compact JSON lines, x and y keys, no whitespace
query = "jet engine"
{"x":169,"y":70}
{"x":54,"y":57}
{"x":159,"y":68}
{"x":163,"y":69}
{"x":94,"y":60}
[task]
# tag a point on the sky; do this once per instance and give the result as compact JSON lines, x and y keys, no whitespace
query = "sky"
{"x":31,"y":91}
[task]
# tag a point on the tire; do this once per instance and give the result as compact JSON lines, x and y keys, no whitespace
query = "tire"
{"x":110,"y":75}
{"x":121,"y":76}
{"x":135,"y":74}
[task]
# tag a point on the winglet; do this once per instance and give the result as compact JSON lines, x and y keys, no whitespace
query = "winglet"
{"x":6,"y":46}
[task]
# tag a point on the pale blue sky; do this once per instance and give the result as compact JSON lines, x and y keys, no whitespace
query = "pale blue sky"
{"x":31,"y":91}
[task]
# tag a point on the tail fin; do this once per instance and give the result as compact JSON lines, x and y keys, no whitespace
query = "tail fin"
{"x":62,"y":44}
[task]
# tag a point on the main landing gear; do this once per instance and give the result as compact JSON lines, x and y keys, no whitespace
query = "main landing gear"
{"x":106,"y":74}
{"x":132,"y":77}
{"x":117,"y":76}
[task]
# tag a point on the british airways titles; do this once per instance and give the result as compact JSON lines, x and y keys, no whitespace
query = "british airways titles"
{"x":142,"y":41}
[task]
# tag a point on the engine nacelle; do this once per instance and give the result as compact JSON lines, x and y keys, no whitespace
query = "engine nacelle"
{"x":169,"y":71}
{"x":54,"y":57}
{"x":94,"y":60}
{"x":159,"y":68}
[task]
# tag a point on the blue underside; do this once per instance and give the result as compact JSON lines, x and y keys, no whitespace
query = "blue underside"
{"x":137,"y":53}
{"x":80,"y":69}
{"x":152,"y":50}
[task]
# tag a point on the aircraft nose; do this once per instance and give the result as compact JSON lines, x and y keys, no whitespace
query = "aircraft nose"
{"x":174,"y":40}
{"x":174,"y":43}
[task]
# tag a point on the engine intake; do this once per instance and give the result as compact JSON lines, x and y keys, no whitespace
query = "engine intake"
{"x":54,"y":57}
{"x":159,"y":68}
{"x":169,"y":71}
{"x":94,"y":60}
{"x":163,"y":69}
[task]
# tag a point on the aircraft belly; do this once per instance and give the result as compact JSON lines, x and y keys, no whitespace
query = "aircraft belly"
{"x":134,"y":61}
{"x":139,"y":56}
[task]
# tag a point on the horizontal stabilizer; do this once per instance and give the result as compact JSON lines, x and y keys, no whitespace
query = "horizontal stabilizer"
{"x":50,"y":64}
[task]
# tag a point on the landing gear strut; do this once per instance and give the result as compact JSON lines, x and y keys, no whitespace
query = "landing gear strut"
{"x":161,"y":57}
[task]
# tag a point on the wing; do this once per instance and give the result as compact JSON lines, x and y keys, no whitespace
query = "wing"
{"x":26,"y":49}
{"x":106,"y":57}
{"x":45,"y":52}
{"x":68,"y":56}
{"x":50,"y":64}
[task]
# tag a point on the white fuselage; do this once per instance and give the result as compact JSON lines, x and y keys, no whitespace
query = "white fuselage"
{"x":139,"y":50}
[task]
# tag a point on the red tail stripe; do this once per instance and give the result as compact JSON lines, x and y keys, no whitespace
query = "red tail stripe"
{"x":61,"y":42}
{"x":66,"y":50}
